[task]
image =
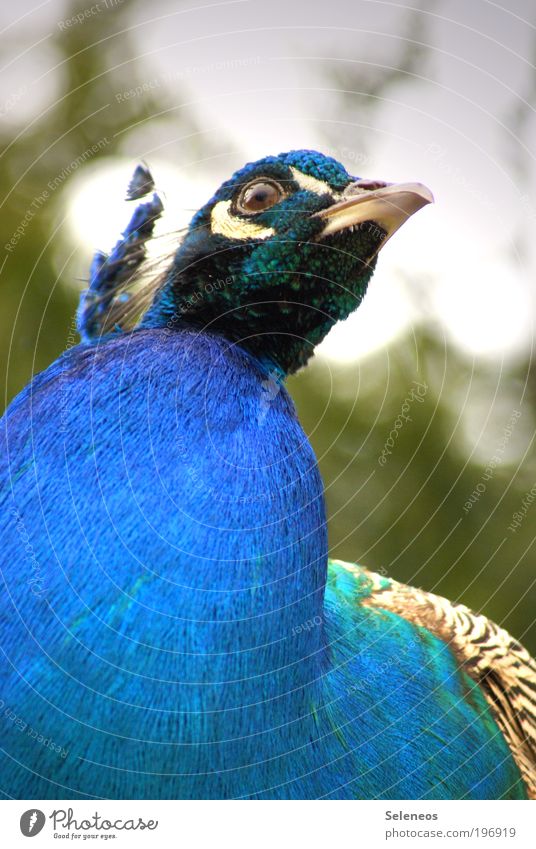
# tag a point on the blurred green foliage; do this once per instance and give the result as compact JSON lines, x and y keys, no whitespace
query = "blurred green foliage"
{"x":406,"y":516}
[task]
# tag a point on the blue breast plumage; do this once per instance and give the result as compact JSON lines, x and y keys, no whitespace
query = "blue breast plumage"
{"x":170,"y":625}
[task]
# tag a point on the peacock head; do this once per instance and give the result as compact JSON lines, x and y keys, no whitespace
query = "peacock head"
{"x":281,"y":252}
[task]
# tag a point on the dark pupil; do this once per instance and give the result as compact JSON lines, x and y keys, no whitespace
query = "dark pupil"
{"x":259,"y":197}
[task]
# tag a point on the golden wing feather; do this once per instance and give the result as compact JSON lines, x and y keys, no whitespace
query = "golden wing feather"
{"x":501,"y":666}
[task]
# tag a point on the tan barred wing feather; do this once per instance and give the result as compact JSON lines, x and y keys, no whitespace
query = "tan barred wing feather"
{"x":502,"y":667}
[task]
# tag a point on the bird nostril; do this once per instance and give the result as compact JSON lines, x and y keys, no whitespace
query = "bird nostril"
{"x":365,"y":185}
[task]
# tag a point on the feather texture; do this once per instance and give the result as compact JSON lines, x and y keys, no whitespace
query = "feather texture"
{"x":108,"y":301}
{"x":170,"y":625}
{"x":501,"y":666}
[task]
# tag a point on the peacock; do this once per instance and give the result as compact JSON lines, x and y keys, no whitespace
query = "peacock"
{"x":171,"y":626}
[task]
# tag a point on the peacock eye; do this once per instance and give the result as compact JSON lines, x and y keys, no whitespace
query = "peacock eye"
{"x":259,"y":196}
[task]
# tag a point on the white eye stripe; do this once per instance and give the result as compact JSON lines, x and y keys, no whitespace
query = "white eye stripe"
{"x":311,"y":184}
{"x":226,"y":224}
{"x":233,"y":227}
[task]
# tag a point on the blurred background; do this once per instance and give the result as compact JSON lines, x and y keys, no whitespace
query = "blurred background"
{"x":442,"y":93}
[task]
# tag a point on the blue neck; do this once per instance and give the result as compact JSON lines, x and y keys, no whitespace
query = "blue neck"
{"x":252,"y":524}
{"x":182,"y":634}
{"x":221,"y":530}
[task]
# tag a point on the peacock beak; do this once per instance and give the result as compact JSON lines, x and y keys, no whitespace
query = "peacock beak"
{"x":388,"y":206}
